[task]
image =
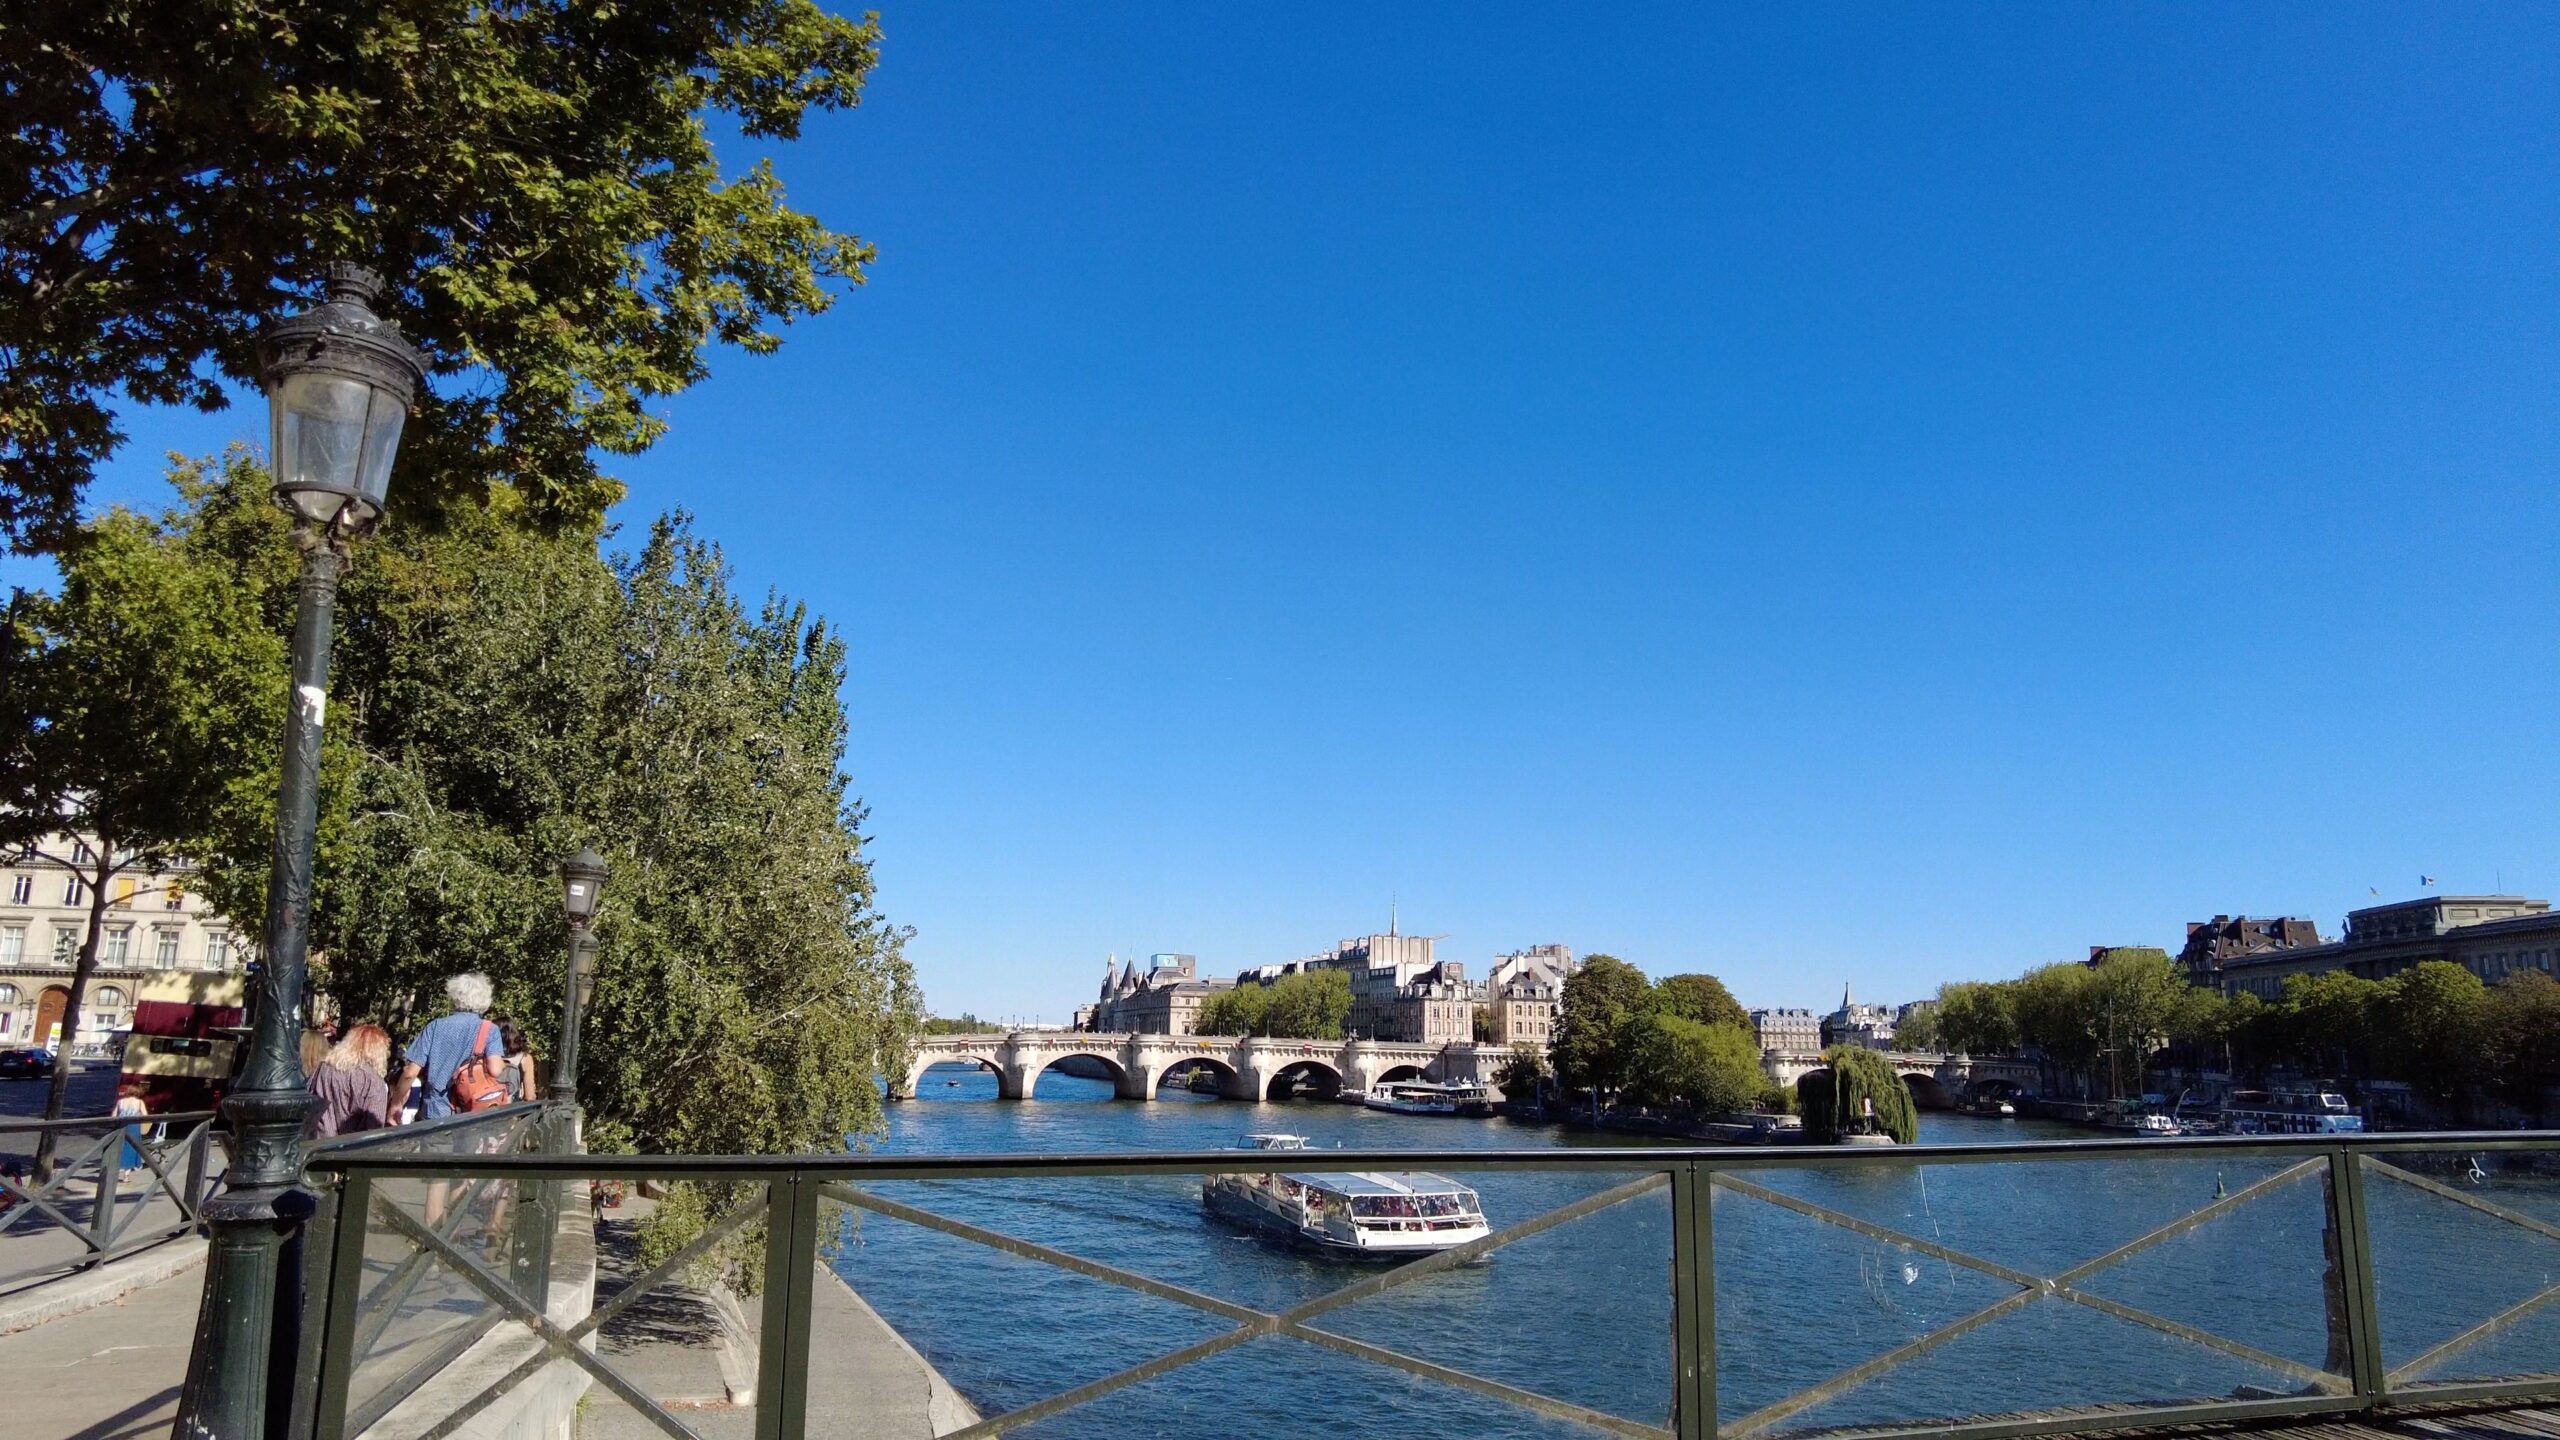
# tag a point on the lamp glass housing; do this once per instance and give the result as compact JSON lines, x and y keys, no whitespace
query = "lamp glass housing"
{"x":582,"y":878}
{"x":334,"y":439}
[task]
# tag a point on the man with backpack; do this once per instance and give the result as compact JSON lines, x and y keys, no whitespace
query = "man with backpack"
{"x":460,"y":1056}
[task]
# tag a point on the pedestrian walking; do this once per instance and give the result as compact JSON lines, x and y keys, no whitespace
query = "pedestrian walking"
{"x":519,"y":1062}
{"x":443,"y":1046}
{"x":351,"y":1082}
{"x":129,"y":1103}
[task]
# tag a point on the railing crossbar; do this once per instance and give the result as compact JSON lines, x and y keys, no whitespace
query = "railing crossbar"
{"x":2438,"y":1188}
{"x":2477,"y":1333}
{"x":395,"y":1290}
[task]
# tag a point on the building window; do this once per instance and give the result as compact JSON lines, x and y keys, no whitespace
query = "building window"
{"x":8,"y":994}
{"x":125,"y":888}
{"x":71,"y":890}
{"x":217,"y":951}
{"x":110,"y":998}
{"x":177,"y":896}
{"x":119,"y":944}
{"x":13,"y":945}
{"x":165,"y":950}
{"x":66,"y":946}
{"x":20,"y":888}
{"x":80,"y":852}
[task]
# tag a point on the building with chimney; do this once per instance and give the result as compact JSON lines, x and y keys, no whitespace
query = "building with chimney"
{"x":2213,"y":943}
{"x":1787,"y":1032}
{"x":1524,"y":992}
{"x":1165,"y":999}
{"x":1870,"y":1026}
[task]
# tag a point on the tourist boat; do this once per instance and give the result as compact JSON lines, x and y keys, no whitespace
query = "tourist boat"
{"x":2289,"y":1112}
{"x":1424,"y":1097}
{"x":1990,"y":1109}
{"x":1363,"y":1215}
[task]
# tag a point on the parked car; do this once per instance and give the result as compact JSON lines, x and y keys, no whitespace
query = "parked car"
{"x":25,"y":1064}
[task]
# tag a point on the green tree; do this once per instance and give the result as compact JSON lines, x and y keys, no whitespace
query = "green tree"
{"x":503,"y":696}
{"x":2330,"y":1022}
{"x":2437,"y":1028}
{"x":2521,"y":1026}
{"x":1834,"y":1100}
{"x":1591,"y":1015}
{"x":537,"y":179}
{"x":1921,"y":1030}
{"x":2055,"y":1016}
{"x":1709,"y":1069}
{"x":139,"y":693}
{"x":1975,"y":1018}
{"x":1699,"y":998}
{"x":1521,"y":1073}
{"x":1309,"y":1005}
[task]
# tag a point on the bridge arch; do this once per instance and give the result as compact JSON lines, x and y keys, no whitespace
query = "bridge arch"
{"x":925,"y":1062}
{"x":1118,"y":1076}
{"x":1928,"y":1092}
{"x":1394,"y":1073}
{"x":1316,"y":1076}
{"x":1189,"y":1065}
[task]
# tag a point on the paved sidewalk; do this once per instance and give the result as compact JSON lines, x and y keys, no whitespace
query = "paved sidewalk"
{"x":111,"y":1373}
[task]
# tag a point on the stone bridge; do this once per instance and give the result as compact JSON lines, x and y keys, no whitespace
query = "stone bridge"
{"x":1247,"y":1068}
{"x":1936,"y":1081}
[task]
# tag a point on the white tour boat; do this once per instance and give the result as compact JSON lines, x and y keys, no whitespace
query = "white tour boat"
{"x":1348,"y":1215}
{"x":1424,"y":1097}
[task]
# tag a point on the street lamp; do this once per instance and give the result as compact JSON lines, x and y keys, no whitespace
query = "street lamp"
{"x":582,"y":878}
{"x":339,"y":381}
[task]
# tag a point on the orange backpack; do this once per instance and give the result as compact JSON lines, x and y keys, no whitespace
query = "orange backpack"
{"x":480,"y":1083}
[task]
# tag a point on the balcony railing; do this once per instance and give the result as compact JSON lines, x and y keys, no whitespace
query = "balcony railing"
{"x":117,"y":1186}
{"x":1980,"y":1291}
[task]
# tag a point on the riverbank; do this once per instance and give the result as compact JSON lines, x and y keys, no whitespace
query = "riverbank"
{"x":1759,"y":1130}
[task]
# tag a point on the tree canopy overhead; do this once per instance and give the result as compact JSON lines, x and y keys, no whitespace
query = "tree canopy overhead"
{"x":535,"y":178}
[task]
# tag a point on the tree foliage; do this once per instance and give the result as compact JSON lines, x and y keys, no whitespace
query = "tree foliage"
{"x":1921,"y":1030}
{"x":1834,"y":1099}
{"x":1702,"y":999}
{"x":536,"y":178}
{"x":1308,"y":1005}
{"x":1706,"y":1069}
{"x":1977,"y":1019}
{"x":503,"y":696}
{"x":141,"y":693}
{"x":1591,"y":1016}
{"x":1522,"y":1070}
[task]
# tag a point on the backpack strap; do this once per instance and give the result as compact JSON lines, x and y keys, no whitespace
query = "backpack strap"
{"x":480,"y":1042}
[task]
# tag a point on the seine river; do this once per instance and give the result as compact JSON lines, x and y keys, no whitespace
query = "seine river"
{"x":1583,"y":1312}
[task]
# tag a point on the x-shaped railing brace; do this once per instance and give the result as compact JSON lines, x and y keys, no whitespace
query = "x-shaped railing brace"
{"x":2495,"y":1323}
{"x":100,"y":1233}
{"x":2031,"y":1287}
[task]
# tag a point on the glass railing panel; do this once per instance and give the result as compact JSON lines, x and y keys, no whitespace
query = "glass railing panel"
{"x":2466,"y":1265}
{"x":1604,"y":1276}
{"x":1891,"y":1294}
{"x":685,"y":1341}
{"x":1281,"y":1387}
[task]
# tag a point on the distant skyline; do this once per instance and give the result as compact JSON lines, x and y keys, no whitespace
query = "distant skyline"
{"x":1874,"y":496}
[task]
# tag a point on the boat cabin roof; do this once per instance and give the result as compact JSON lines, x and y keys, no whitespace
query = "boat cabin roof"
{"x":1433,"y":1087}
{"x":1357,"y":1183}
{"x":1273,"y":1140}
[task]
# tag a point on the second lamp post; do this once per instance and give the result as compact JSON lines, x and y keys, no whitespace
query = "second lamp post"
{"x":582,"y":878}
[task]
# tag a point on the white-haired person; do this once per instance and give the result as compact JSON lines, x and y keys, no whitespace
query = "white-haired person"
{"x":446,"y":1044}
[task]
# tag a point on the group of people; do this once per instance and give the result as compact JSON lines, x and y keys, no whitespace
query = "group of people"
{"x":466,"y":1059}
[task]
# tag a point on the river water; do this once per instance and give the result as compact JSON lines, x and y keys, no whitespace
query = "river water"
{"x":1583,"y":1312}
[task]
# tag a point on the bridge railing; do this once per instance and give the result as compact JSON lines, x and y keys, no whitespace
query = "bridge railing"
{"x":117,"y":1186}
{"x":1747,"y":1293}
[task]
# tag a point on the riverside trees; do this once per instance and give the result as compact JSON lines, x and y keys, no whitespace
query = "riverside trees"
{"x":1309,"y":1005}
{"x":1682,"y":1042}
{"x":507,"y":695}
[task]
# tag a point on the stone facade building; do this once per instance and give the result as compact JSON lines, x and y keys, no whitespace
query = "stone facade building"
{"x":1870,"y":1026}
{"x":2492,"y":936}
{"x":155,"y":925}
{"x":1525,"y":991}
{"x":1787,"y":1032}
{"x":1165,"y":1000}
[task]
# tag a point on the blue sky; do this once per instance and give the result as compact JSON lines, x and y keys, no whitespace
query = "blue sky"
{"x":1873,"y":495}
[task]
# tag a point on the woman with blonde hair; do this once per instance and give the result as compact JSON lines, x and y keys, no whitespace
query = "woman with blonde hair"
{"x":350,"y":1081}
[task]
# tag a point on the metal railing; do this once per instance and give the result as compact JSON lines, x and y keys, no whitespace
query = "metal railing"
{"x":89,"y":1212}
{"x":415,"y":1327}
{"x":2368,"y":1350}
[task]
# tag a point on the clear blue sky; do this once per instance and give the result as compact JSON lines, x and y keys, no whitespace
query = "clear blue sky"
{"x":1877,"y":494}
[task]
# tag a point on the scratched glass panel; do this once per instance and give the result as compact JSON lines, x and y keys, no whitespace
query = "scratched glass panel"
{"x":2466,"y":1264}
{"x":1607,"y":1273}
{"x":2209,"y":1270}
{"x":418,"y":1308}
{"x":1282,"y":1387}
{"x":683,"y":1345}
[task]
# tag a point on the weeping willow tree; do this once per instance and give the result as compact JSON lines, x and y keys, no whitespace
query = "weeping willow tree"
{"x":1834,"y":1098}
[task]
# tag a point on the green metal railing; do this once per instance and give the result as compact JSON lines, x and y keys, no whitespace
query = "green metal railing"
{"x":88,"y":1212}
{"x":787,"y":1195}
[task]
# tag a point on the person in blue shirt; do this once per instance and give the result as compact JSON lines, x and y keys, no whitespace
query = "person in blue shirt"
{"x":444,"y":1043}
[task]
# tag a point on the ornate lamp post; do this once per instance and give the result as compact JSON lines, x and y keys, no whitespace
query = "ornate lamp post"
{"x":582,"y":878}
{"x":339,"y":381}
